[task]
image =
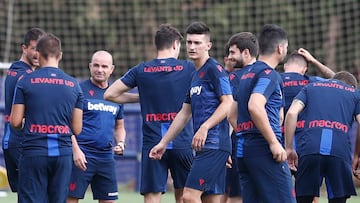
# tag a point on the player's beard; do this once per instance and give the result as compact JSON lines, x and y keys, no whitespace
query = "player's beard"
{"x":239,"y":63}
{"x":33,"y":62}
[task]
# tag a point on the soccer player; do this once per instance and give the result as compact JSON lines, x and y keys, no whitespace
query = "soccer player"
{"x":162,"y":84}
{"x":207,"y":102}
{"x":229,"y":65}
{"x":258,"y":101}
{"x":48,"y":106}
{"x":243,"y":50}
{"x":295,"y":77}
{"x":12,"y":138}
{"x":103,"y":121}
{"x":324,"y":148}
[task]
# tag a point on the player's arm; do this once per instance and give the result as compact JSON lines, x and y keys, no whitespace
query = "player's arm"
{"x":233,"y":113}
{"x":219,"y":114}
{"x":256,"y":106}
{"x":17,"y":115}
{"x":120,"y":135}
{"x":281,"y":115}
{"x":178,"y":124}
{"x":76,"y":121}
{"x":326,"y":71}
{"x":78,"y":155}
{"x":118,"y":93}
{"x":290,"y":126}
{"x":290,"y":122}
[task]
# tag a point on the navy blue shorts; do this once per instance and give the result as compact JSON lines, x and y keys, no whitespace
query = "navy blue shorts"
{"x":154,"y":173}
{"x":314,"y":168}
{"x":265,"y":180}
{"x":233,"y":187}
{"x":12,"y":157}
{"x":44,"y":179}
{"x":207,"y":173}
{"x":100,"y":174}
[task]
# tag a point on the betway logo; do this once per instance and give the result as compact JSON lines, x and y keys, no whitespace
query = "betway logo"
{"x":195,"y":90}
{"x":102,"y":107}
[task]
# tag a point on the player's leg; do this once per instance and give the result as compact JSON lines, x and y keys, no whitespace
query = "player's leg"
{"x":107,"y":201}
{"x":308,"y":178}
{"x":59,"y":178}
{"x":235,"y":200}
{"x":72,"y":200}
{"x":104,"y":182}
{"x":212,"y":198}
{"x":80,"y":181}
{"x":152,"y":197}
{"x":207,"y":175}
{"x":11,"y":158}
{"x":225,"y":197}
{"x":33,"y":179}
{"x":338,"y":200}
{"x":249,"y":190}
{"x":272,"y":179}
{"x":304,"y":199}
{"x":180,"y":161}
{"x":154,"y":175}
{"x":234,"y":185}
{"x":178,"y":193}
{"x":338,"y":178}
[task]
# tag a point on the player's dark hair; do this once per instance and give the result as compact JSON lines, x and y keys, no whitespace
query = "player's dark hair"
{"x":198,"y":27}
{"x":245,"y":40}
{"x":297,"y":58}
{"x":270,"y":37}
{"x":32,"y":34}
{"x":226,"y":50}
{"x":49,"y":45}
{"x":346,"y":77}
{"x":165,"y":36}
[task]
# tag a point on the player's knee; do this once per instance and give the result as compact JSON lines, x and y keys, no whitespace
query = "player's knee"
{"x":338,"y":200}
{"x":188,"y":197}
{"x":304,"y":199}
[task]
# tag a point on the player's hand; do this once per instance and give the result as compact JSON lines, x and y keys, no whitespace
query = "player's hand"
{"x":357,"y":173}
{"x":199,"y":138}
{"x":229,"y":162}
{"x":157,"y":151}
{"x":119,"y":148}
{"x":79,"y":159}
{"x":292,"y":159}
{"x":279,"y":153}
{"x":306,"y":54}
{"x":356,"y":167}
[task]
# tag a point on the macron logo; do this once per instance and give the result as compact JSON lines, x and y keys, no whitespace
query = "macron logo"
{"x":102,"y":107}
{"x":195,"y":90}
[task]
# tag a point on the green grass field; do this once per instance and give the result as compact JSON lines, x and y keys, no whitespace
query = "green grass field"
{"x":125,"y":196}
{"x":129,"y":196}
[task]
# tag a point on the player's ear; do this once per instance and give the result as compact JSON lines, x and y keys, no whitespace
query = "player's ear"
{"x":209,"y":45}
{"x":246,"y":52}
{"x":305,"y":69}
{"x":60,"y":56}
{"x":176,"y":45}
{"x":279,"y":49}
{"x":23,"y":47}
